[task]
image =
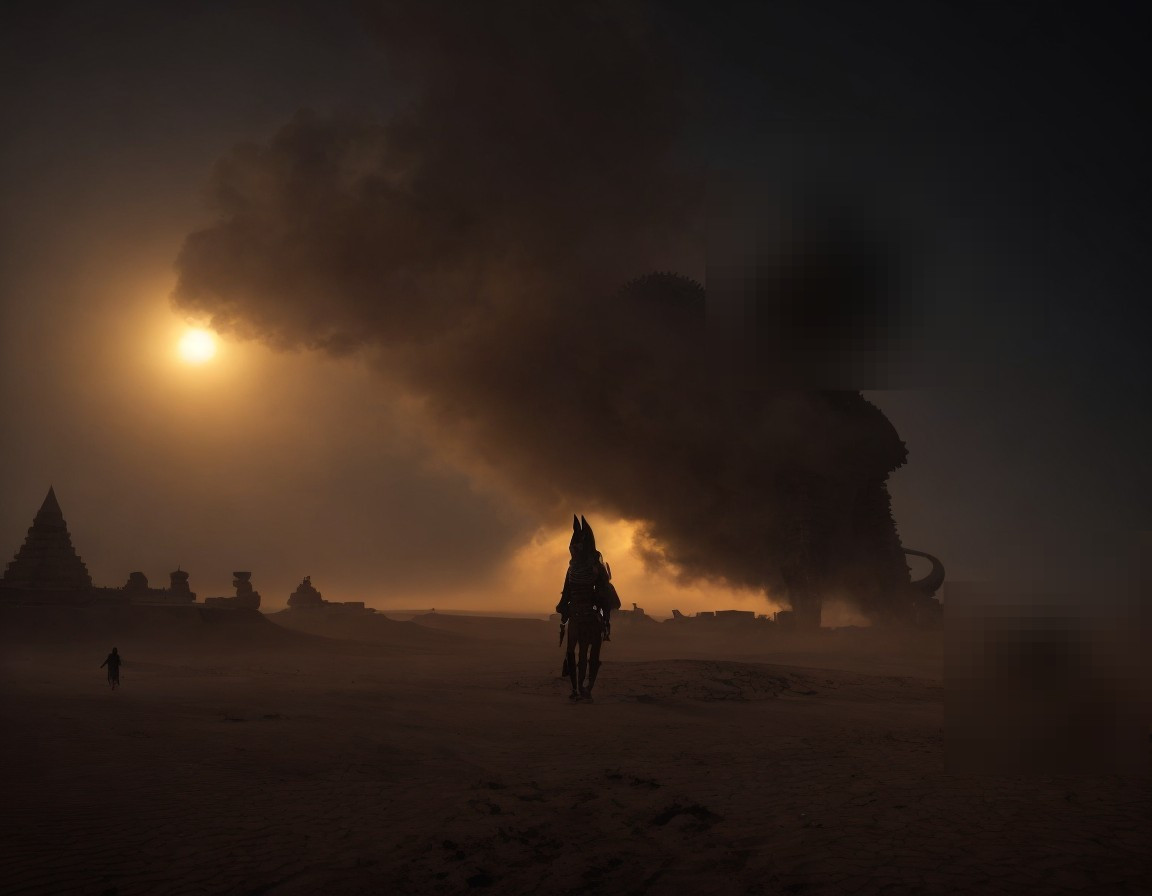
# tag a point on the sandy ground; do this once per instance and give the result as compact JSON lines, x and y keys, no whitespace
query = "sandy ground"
{"x":454,"y":763}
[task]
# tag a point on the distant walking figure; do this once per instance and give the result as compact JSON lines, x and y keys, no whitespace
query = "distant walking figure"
{"x":586,"y":605}
{"x":113,"y":664}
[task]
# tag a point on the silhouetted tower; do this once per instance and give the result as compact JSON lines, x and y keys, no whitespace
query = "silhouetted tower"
{"x":47,"y":561}
{"x":179,"y":585}
{"x":246,"y":595}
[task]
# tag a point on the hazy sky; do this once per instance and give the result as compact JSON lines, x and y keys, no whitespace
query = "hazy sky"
{"x":997,"y":151}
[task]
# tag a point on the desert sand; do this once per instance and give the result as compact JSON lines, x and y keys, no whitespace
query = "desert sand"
{"x":240,"y":756}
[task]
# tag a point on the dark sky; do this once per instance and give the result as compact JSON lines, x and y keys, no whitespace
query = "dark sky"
{"x":996,"y":150}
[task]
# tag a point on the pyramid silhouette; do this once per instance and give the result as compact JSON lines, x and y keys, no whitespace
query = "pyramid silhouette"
{"x":47,"y":560}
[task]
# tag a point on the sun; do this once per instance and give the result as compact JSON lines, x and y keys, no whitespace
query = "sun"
{"x":197,"y":346}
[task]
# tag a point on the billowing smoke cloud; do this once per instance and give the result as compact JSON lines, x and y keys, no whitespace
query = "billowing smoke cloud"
{"x":477,"y":245}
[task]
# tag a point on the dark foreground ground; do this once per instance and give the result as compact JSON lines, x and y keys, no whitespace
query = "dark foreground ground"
{"x":451,"y":763}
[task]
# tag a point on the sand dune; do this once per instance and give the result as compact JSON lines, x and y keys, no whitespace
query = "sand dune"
{"x":374,"y":628}
{"x":48,"y":625}
{"x":489,"y":628}
{"x":349,"y":769}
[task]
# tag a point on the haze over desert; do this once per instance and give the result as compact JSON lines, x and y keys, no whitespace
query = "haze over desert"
{"x":631,"y":447}
{"x":239,"y":757}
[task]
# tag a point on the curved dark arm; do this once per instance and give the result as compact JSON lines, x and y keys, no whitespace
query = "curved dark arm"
{"x":931,"y":583}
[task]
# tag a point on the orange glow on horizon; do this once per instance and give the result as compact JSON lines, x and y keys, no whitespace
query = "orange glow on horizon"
{"x":531,"y":579}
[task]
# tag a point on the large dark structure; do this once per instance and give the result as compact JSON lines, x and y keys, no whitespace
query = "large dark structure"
{"x":839,"y":536}
{"x":792,"y":466}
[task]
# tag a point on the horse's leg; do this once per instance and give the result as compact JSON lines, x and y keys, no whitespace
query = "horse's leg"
{"x":583,"y":666}
{"x":593,"y":664}
{"x":570,"y":661}
{"x":584,"y":645}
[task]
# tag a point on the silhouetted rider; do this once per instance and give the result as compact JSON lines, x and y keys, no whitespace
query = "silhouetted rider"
{"x":586,"y":604}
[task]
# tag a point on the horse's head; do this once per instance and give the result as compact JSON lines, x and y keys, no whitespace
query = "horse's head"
{"x":583,"y":543}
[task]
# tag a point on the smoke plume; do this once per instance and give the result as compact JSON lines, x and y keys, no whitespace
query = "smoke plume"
{"x":487,"y":245}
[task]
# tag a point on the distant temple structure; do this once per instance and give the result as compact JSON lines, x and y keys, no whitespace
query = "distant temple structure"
{"x":139,"y":592}
{"x":47,"y":570}
{"x":307,"y":598}
{"x":247,"y":598}
{"x":47,"y":563}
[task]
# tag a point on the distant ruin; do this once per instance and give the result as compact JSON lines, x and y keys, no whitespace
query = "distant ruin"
{"x":635,"y":615}
{"x":307,"y":599}
{"x":178,"y":592}
{"x":246,"y":597}
{"x":47,"y":570}
{"x":722,"y":618}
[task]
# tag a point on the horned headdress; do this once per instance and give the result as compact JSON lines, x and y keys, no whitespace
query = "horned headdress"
{"x":583,"y":543}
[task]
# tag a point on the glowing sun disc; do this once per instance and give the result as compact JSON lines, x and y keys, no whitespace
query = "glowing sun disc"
{"x":197,"y":346}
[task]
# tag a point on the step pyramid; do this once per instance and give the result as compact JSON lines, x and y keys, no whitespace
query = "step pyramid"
{"x":47,"y":561}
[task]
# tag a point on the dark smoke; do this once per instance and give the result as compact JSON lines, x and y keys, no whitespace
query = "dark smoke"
{"x":487,"y":245}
